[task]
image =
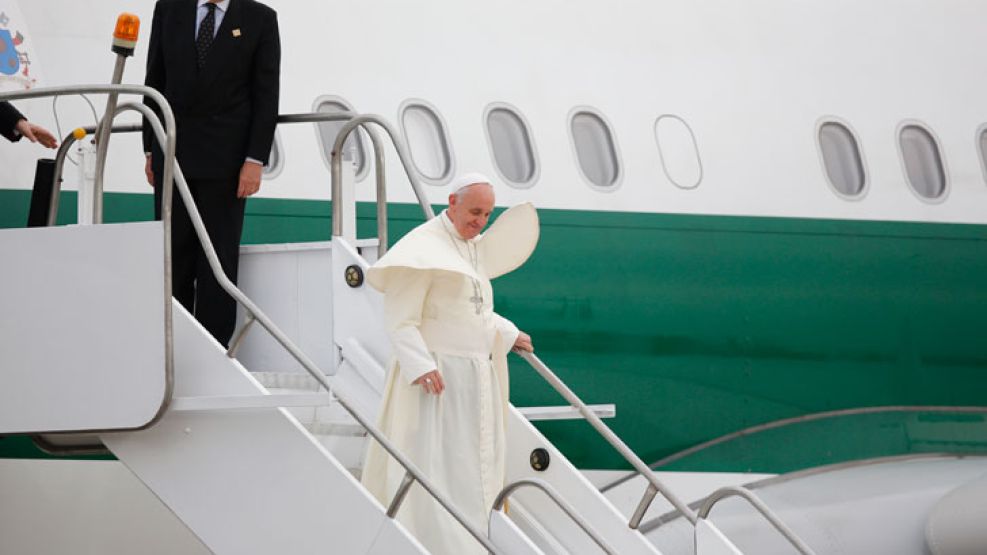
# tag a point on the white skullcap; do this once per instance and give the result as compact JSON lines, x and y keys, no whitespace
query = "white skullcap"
{"x":467,"y":179}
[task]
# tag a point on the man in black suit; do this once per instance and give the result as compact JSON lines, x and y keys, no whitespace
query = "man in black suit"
{"x":218,"y":64}
{"x":13,"y":126}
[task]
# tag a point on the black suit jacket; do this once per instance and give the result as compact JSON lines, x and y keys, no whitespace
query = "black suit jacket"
{"x":9,"y":116}
{"x":227,"y":111}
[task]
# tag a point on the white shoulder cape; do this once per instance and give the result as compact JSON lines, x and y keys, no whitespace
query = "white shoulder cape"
{"x":506,"y":245}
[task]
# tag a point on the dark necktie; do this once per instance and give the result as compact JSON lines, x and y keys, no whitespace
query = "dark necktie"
{"x":206,"y":31}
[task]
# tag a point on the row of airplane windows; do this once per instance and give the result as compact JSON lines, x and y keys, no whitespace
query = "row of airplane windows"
{"x":515,"y":155}
{"x":511,"y":145}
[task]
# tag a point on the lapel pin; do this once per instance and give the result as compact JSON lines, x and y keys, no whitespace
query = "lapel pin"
{"x":236,"y":32}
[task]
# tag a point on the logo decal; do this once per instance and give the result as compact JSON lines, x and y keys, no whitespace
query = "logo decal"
{"x":15,"y":60}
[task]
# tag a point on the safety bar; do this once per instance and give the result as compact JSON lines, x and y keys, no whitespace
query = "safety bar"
{"x":554,"y":496}
{"x":379,"y":171}
{"x":801,"y":419}
{"x":755,"y":501}
{"x":655,"y":485}
{"x":166,"y":137}
{"x":62,"y":153}
{"x":316,"y":117}
{"x":337,"y":171}
{"x":293,"y":350}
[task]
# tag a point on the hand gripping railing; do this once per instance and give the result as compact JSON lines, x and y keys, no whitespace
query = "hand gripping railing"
{"x":655,"y":486}
{"x":166,"y":137}
{"x":256,"y":314}
{"x":554,"y":496}
{"x":337,"y":171}
{"x":755,"y":501}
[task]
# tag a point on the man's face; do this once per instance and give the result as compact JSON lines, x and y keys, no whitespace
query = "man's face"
{"x":470,"y":212}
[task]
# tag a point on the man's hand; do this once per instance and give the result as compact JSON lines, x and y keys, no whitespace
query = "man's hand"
{"x":249,"y":179}
{"x":148,"y":172}
{"x":36,"y":133}
{"x":523,"y":343}
{"x":432,"y":382}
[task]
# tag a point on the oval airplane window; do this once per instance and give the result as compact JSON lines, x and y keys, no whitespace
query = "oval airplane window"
{"x":511,"y":146}
{"x":427,"y":139}
{"x":982,"y":145}
{"x":328,"y":130}
{"x":595,"y":149}
{"x":842,"y":161}
{"x":678,"y":151}
{"x":923,"y":161}
{"x":275,"y":163}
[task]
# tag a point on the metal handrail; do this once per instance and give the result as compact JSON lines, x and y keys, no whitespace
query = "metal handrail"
{"x":801,"y":419}
{"x":168,"y":138}
{"x":62,"y":153}
{"x":379,"y":169}
{"x":655,"y":485}
{"x":260,"y":317}
{"x":755,"y":501}
{"x":562,"y":504}
{"x":314,"y":117}
{"x":337,"y":170}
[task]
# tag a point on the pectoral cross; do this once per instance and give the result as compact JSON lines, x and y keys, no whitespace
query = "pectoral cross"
{"x":477,"y":298}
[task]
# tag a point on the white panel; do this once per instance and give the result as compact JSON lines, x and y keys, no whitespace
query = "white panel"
{"x":88,"y":508}
{"x":710,"y":541}
{"x":82,"y":332}
{"x":506,"y":535}
{"x":245,"y":482}
{"x":394,"y":540}
{"x":291,"y":284}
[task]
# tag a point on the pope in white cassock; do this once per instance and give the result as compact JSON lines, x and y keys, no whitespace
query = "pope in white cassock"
{"x":445,"y":399}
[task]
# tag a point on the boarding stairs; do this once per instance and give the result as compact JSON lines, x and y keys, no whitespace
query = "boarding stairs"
{"x":256,"y":448}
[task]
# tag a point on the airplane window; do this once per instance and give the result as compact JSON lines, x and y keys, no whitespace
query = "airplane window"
{"x":982,"y":140}
{"x":275,"y":162}
{"x":678,"y":151}
{"x":427,"y":138}
{"x":511,"y":145}
{"x":328,"y":130}
{"x":924,"y":168}
{"x":595,"y":149}
{"x":842,"y":160}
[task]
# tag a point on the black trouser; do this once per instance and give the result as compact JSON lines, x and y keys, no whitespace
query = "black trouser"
{"x":194,"y":284}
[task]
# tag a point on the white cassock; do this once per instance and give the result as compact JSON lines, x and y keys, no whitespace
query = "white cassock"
{"x":438,"y":306}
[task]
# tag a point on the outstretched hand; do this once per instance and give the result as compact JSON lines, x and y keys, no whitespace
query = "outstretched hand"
{"x":36,"y":133}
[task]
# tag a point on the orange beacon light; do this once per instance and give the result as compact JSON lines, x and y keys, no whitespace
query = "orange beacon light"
{"x":125,"y":34}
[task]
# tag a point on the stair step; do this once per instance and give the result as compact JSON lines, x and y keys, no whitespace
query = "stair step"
{"x":287,"y":380}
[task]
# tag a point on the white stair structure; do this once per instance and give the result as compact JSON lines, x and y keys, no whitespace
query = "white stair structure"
{"x":249,"y":447}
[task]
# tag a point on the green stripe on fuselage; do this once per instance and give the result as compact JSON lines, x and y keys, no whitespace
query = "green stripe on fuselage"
{"x":697,"y":326}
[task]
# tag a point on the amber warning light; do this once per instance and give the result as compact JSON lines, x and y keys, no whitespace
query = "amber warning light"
{"x":125,"y":34}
